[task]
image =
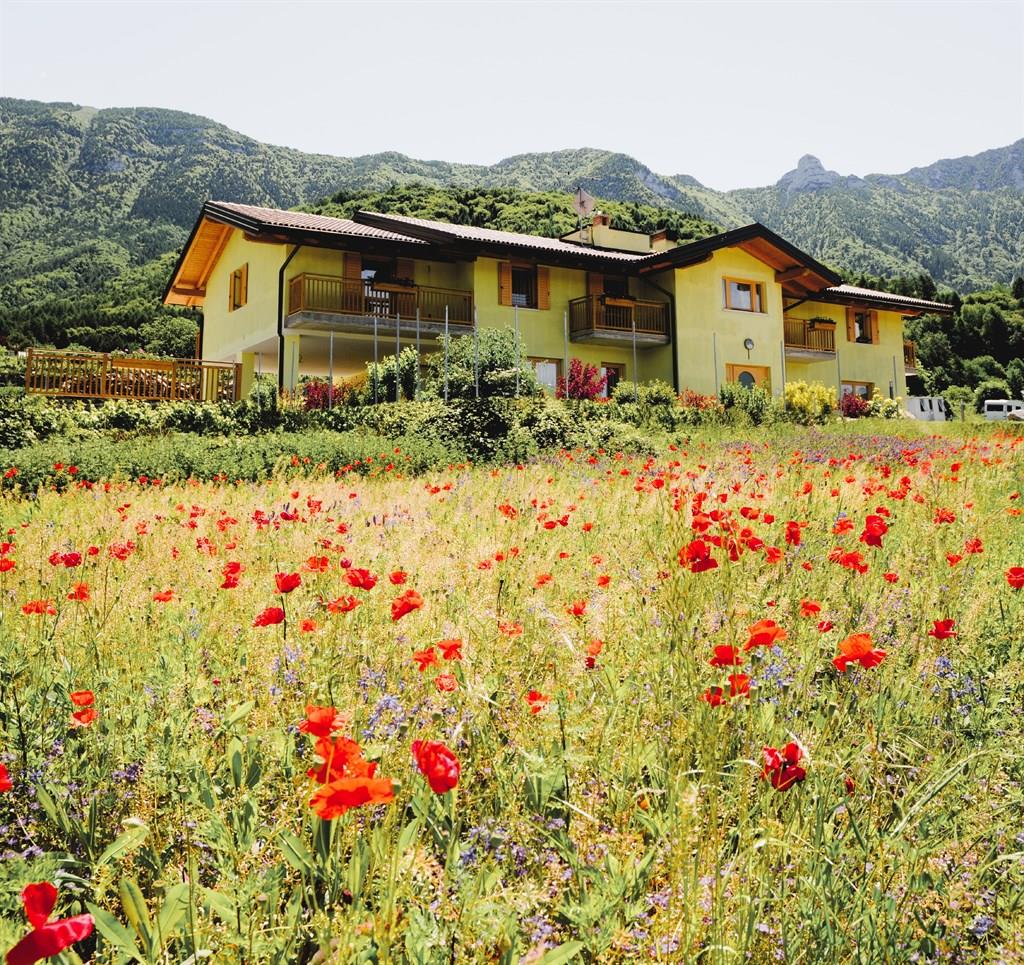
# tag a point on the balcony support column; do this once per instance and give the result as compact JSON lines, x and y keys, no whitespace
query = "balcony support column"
{"x":248,"y":374}
{"x":290,"y":359}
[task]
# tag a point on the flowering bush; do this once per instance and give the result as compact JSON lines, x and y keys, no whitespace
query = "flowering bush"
{"x":585,"y":381}
{"x":852,"y":406}
{"x":809,"y":403}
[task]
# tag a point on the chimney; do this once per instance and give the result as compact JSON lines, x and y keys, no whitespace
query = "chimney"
{"x":662,"y":239}
{"x":600,"y":219}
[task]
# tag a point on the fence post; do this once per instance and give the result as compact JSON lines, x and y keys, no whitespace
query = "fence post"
{"x":445,"y":353}
{"x":28,"y":371}
{"x":519,"y":361}
{"x":106,"y":376}
{"x":565,"y":334}
{"x":375,"y":359}
{"x":419,"y":357}
{"x":476,"y":353}
{"x":330,"y":371}
{"x":398,"y":352}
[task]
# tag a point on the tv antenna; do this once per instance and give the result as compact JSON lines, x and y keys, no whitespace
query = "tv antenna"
{"x":584,"y":204}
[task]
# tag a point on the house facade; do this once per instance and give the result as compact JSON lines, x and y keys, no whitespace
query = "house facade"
{"x":294,"y":294}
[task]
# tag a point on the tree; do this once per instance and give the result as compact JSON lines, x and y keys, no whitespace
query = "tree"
{"x":1017,"y":289}
{"x":585,"y":381}
{"x":169,"y":336}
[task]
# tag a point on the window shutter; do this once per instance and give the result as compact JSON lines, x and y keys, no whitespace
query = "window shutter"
{"x":543,"y":289}
{"x":504,"y":283}
{"x":851,"y":327}
{"x":874,"y":328}
{"x":595,"y":283}
{"x":405,"y":268}
{"x":231,"y":291}
{"x":353,"y":266}
{"x":245,"y":285}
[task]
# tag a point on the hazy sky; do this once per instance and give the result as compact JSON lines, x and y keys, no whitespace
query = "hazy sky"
{"x":732,"y":93}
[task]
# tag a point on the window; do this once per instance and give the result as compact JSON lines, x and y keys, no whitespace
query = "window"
{"x":548,"y":372}
{"x":862,"y":326}
{"x":524,"y":287}
{"x":614,"y":372}
{"x":864,"y":389}
{"x":743,"y":296}
{"x":239,"y":287}
{"x":616,"y":286}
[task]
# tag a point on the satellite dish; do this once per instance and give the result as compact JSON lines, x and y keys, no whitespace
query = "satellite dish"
{"x":583,"y":202}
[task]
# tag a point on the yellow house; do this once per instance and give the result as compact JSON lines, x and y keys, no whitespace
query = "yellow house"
{"x":297,"y":294}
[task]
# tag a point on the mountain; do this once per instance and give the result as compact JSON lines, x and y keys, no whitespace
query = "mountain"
{"x":90,"y":198}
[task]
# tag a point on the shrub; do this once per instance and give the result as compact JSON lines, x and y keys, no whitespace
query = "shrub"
{"x":852,"y":406}
{"x":25,"y":420}
{"x":809,"y":403}
{"x":499,"y":361}
{"x":991,"y":389}
{"x":584,"y":382}
{"x":882,"y":408}
{"x":753,"y":403}
{"x":124,"y":416}
{"x":381,"y":377}
{"x":957,"y":396}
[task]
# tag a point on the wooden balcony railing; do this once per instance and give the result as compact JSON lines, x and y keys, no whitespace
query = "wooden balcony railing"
{"x":800,"y":333}
{"x":96,"y":376}
{"x":604,"y":313}
{"x":356,"y":296}
{"x":909,"y":354}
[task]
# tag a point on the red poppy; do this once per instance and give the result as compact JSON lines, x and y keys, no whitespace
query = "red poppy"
{"x":344,"y":604}
{"x":1015,"y":577}
{"x":577,"y":608}
{"x":79,"y":593}
{"x":793,"y":533}
{"x":286,"y":582}
{"x":809,"y":608}
{"x":164,"y":596}
{"x":446,"y":683}
{"x":309,"y":626}
{"x":84,"y":718}
{"x":858,"y":648}
{"x":437,"y":764}
{"x":321,"y":721}
{"x":726,"y":656}
{"x":874,"y":529}
{"x":891,"y":577}
{"x":697,"y":556}
{"x":47,"y":938}
{"x":942,"y":629}
{"x":425,"y":658}
{"x":739,"y":685}
{"x":850,"y":785}
{"x":6,"y":784}
{"x":82,"y":698}
{"x":825,"y":625}
{"x":944,"y":516}
{"x":510,"y":628}
{"x":537,"y":701}
{"x":765,"y":633}
{"x":341,"y":757}
{"x":317,"y":564}
{"x":6,"y":565}
{"x":410,"y":600}
{"x":451,"y":649}
{"x":782,"y":767}
{"x":973,"y":545}
{"x":270,"y":617}
{"x":594,"y":649}
{"x":360,"y":579}
{"x":39,"y":607}
{"x":713,"y":696}
{"x":333,"y":800}
{"x":542,"y":579}
{"x":398,"y":577}
{"x":953,"y":558}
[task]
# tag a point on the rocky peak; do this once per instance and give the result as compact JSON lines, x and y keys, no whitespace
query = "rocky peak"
{"x":809,"y":175}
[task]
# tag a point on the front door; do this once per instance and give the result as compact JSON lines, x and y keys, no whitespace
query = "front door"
{"x":749,"y":375}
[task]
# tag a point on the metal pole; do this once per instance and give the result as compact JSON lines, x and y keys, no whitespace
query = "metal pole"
{"x":714,"y":359}
{"x":476,"y":352}
{"x":636,"y":381}
{"x":374,"y":359}
{"x":398,"y":352}
{"x":839,"y":379}
{"x":445,"y":353}
{"x":565,"y":336}
{"x":782,"y":353}
{"x":419,"y":358}
{"x":895,"y":382}
{"x":515,"y":316}
{"x":330,"y":371}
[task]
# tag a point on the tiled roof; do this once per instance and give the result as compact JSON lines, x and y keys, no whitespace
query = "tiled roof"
{"x":850,"y":292}
{"x":432,"y":229}
{"x":301,"y":221}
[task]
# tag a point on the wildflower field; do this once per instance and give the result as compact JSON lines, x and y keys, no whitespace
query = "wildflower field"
{"x":745,"y":701}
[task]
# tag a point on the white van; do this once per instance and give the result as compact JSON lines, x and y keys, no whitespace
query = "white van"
{"x":997,"y":409}
{"x":926,"y":408}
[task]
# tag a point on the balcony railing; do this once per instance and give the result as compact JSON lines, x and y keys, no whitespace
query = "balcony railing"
{"x":909,"y":355}
{"x":602,"y":313}
{"x":802,"y":334}
{"x":96,"y":376}
{"x":357,"y":296}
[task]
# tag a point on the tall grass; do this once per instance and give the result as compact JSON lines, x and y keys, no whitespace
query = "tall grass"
{"x":626,"y":819}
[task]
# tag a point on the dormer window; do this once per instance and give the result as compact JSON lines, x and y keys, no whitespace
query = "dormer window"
{"x":743,"y":296}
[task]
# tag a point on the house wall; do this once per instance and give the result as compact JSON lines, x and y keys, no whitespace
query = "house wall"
{"x":707,"y":328}
{"x":226,"y":334}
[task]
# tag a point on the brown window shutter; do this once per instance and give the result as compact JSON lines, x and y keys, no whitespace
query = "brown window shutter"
{"x":245,"y":284}
{"x":231,"y":292}
{"x":353,"y":266}
{"x":504,"y":283}
{"x":405,"y":268}
{"x":595,"y":283}
{"x":851,"y":328}
{"x":874,"y":328}
{"x":543,"y":289}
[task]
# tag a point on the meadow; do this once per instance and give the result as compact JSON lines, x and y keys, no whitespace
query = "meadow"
{"x":752,"y":699}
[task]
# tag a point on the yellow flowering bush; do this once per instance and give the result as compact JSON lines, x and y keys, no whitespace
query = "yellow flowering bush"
{"x":809,"y":403}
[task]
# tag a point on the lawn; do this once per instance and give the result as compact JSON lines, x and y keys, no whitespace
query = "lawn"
{"x":746,"y":701}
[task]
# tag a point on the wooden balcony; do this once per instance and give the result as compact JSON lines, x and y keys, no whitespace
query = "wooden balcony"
{"x":809,"y":341}
{"x":909,"y":357}
{"x":96,"y":376}
{"x":605,"y":320}
{"x":352,"y":304}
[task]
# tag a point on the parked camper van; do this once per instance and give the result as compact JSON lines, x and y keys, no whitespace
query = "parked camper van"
{"x":927,"y":408}
{"x":997,"y":409}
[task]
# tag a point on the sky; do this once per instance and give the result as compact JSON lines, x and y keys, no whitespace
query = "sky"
{"x":732,"y":93}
